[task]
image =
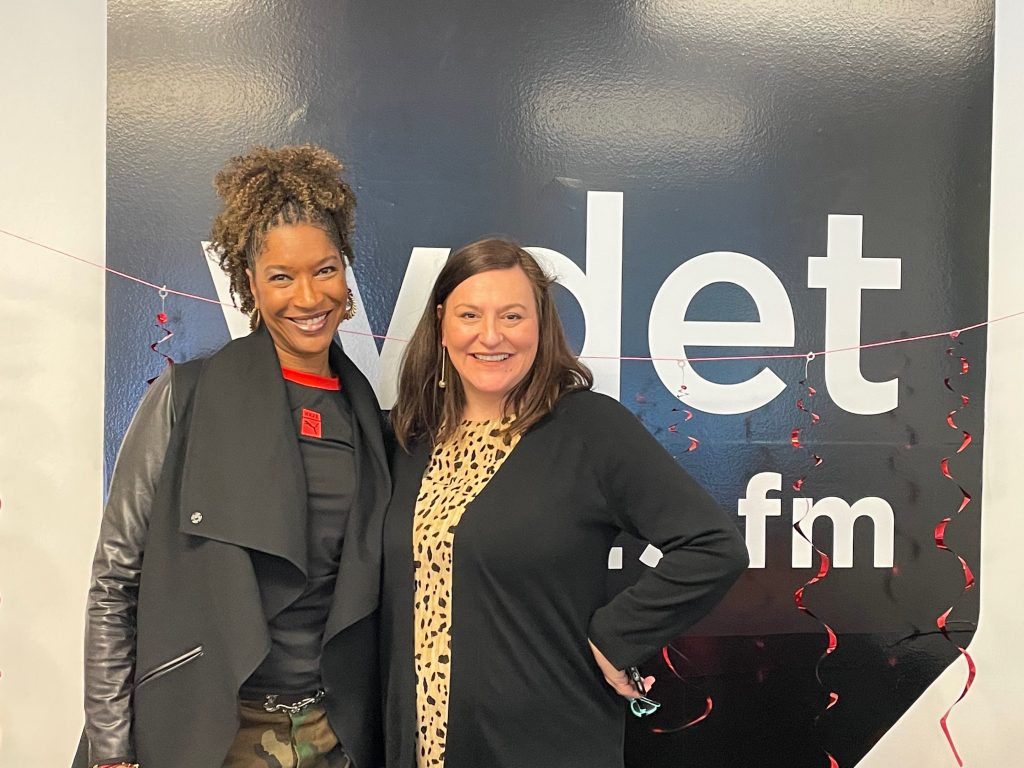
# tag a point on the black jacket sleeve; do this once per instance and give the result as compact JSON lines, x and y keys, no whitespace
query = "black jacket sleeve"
{"x":651,"y":497}
{"x":110,"y":620}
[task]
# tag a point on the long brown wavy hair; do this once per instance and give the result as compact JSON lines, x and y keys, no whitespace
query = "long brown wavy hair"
{"x":424,"y":411}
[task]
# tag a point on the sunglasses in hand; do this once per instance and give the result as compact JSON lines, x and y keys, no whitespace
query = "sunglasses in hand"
{"x":640,"y":705}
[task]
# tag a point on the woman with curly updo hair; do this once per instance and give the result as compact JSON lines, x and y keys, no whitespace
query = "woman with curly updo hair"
{"x":233,"y":613}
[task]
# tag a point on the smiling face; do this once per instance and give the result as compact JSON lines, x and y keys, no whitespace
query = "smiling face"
{"x":490,"y":327}
{"x":298,"y":283}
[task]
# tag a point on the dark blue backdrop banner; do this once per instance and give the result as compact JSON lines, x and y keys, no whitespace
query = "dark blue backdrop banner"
{"x":706,"y":179}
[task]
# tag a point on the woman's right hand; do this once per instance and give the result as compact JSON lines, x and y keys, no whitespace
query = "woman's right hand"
{"x":617,"y":678}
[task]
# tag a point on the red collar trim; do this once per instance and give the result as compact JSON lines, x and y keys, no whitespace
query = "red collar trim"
{"x":311,"y":379}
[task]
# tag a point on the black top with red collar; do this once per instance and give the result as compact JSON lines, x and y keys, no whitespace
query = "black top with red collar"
{"x":323,"y":424}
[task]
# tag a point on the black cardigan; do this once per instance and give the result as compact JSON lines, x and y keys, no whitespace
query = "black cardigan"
{"x":530,"y":572}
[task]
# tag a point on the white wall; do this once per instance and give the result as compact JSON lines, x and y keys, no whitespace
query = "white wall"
{"x":52,"y":55}
{"x":52,"y":180}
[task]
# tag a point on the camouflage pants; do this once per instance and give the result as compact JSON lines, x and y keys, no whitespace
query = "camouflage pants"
{"x":280,"y":740}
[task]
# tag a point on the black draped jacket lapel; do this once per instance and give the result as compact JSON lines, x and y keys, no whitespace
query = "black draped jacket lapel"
{"x":357,"y":592}
{"x":243,"y":482}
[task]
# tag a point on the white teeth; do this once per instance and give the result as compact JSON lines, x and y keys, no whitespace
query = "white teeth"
{"x":491,"y":358}
{"x":310,"y":323}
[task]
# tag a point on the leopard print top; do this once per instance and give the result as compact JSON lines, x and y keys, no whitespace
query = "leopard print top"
{"x":459,"y":469}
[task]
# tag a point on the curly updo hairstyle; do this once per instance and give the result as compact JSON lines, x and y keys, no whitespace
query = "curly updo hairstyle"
{"x":268,"y":188}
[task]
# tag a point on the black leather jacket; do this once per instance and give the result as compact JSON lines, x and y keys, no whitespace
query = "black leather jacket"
{"x":116,"y":569}
{"x":208,"y":472}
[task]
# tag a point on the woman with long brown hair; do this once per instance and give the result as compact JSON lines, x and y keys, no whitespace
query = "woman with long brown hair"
{"x":511,"y":482}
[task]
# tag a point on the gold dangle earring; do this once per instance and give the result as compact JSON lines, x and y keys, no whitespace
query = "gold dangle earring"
{"x":254,"y":319}
{"x":350,"y":306}
{"x":441,"y":382}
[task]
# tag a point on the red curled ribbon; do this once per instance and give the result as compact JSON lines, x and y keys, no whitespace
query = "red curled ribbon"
{"x":804,"y":404}
{"x":940,"y":543}
{"x":161,"y":323}
{"x":687,"y":414}
{"x":708,"y":703}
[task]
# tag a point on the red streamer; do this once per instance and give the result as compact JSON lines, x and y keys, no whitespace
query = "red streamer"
{"x":687,"y":414}
{"x":161,"y":323}
{"x":940,"y":542}
{"x":708,"y":703}
{"x":804,"y":404}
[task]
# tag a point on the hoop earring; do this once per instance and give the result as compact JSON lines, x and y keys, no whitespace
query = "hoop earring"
{"x":350,"y":306}
{"x":254,"y":319}
{"x":441,"y":381}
